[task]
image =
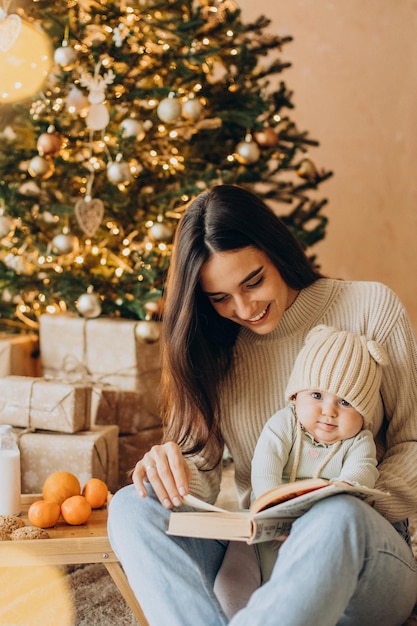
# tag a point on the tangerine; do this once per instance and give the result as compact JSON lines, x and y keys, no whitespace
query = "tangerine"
{"x":44,"y":513}
{"x":59,"y":486}
{"x":95,"y":491}
{"x":76,"y":510}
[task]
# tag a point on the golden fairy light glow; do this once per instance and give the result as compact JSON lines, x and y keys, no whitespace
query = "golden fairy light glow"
{"x":25,"y":63}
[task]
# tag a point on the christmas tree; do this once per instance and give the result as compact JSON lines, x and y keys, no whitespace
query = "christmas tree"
{"x":147,"y":103}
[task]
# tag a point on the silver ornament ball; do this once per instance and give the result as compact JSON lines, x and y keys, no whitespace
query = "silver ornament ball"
{"x":119,"y":173}
{"x":65,"y":56}
{"x":191,"y":109}
{"x":160,"y":232}
{"x":169,"y":110}
{"x":131,"y":127}
{"x":64,"y":243}
{"x":89,"y":305}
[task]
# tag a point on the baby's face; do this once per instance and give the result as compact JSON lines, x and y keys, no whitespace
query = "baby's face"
{"x":326,"y":416}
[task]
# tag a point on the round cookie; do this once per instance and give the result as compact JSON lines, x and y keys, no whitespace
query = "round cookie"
{"x":8,"y":523}
{"x":28,"y":532}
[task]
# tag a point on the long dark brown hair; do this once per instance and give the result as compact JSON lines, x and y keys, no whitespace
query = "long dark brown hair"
{"x":197,"y":342}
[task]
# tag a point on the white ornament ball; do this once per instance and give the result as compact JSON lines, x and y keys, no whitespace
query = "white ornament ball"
{"x":41,"y":167}
{"x":132,"y":128}
{"x":6,"y":225}
{"x":248,"y":152}
{"x":191,"y":109}
{"x":169,"y":110}
{"x":65,"y":56}
{"x":119,"y":173}
{"x":161,"y":232}
{"x":64,"y":243}
{"x":89,"y":305}
{"x":148,"y":331}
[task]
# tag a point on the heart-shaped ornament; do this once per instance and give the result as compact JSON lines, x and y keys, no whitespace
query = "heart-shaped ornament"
{"x":10,"y":27}
{"x":89,"y":214}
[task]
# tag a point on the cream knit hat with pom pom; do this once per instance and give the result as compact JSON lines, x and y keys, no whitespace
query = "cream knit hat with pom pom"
{"x":340,"y":362}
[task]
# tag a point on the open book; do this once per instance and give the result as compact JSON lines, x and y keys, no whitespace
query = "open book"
{"x":270,"y":515}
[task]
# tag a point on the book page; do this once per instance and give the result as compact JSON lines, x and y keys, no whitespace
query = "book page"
{"x":201,"y":505}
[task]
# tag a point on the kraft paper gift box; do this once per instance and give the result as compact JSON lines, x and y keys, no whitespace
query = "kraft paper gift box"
{"x":124,"y":371}
{"x":131,"y":411}
{"x":88,"y":454}
{"x":19,"y":355}
{"x":32,"y":402}
{"x":132,"y":448}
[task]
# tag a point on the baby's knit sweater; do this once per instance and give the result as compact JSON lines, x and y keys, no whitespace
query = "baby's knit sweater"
{"x":254,"y":388}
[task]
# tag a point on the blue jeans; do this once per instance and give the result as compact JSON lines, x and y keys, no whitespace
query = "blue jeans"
{"x":343,"y":564}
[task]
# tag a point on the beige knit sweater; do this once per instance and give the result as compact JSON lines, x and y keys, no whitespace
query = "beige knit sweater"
{"x":254,"y":389}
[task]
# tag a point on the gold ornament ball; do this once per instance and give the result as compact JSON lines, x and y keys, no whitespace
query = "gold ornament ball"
{"x":89,"y":305}
{"x":148,"y":331}
{"x":41,"y":167}
{"x":307,"y":170}
{"x":266,"y":138}
{"x":247,"y":152}
{"x":169,"y":110}
{"x":49,"y":143}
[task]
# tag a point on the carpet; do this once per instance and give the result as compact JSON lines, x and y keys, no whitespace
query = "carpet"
{"x":97,"y":600}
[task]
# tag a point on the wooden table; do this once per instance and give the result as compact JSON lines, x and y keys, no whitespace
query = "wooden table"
{"x":67,"y":545}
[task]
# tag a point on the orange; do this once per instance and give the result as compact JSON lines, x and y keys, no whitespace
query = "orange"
{"x":44,"y":513}
{"x":75,"y":510}
{"x":95,"y":492}
{"x":59,"y":486}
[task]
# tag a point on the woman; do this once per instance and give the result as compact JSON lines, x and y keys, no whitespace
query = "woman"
{"x":241,"y":298}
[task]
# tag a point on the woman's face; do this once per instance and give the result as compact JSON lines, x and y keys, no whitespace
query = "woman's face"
{"x":244,"y":286}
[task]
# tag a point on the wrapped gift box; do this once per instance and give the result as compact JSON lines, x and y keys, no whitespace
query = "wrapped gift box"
{"x":88,"y":454}
{"x":132,"y":448}
{"x":19,"y":354}
{"x":124,"y":371}
{"x":44,"y":404}
{"x":127,"y":409}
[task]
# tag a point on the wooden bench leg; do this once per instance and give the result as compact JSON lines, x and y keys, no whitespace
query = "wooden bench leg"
{"x":116,"y":572}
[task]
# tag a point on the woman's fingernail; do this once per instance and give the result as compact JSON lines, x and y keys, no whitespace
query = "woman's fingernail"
{"x":176,"y":501}
{"x":167,"y":503}
{"x":182,"y":491}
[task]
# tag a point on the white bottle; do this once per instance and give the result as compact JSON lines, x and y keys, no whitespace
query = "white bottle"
{"x":9,"y":472}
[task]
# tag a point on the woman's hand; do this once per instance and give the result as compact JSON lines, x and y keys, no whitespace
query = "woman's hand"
{"x":165,"y":469}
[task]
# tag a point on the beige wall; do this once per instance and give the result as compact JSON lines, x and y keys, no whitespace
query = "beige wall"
{"x":354,"y":78}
